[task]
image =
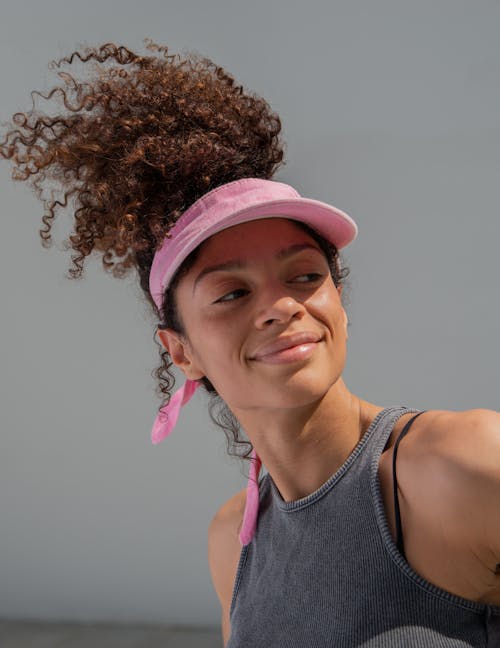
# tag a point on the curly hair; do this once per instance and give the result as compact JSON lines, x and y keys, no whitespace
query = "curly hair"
{"x":131,"y":147}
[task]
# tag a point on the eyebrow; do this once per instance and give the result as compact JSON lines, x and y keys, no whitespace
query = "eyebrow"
{"x":237,"y":264}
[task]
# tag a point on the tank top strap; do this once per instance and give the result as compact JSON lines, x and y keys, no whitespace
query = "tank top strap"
{"x":399,"y":531}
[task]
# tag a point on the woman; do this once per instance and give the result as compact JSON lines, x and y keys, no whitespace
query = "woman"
{"x":169,"y":164}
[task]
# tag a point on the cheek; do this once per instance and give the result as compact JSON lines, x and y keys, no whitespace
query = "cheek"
{"x":322,"y":300}
{"x":216,"y":344}
{"x":325,"y":305}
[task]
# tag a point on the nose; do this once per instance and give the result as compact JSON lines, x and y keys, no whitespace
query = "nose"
{"x":277,"y":306}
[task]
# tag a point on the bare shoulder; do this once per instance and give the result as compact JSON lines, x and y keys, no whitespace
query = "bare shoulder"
{"x":224,"y":551}
{"x":449,"y":484}
{"x":467,"y":451}
{"x":452,"y":471}
{"x":465,"y":444}
{"x":447,"y":464}
{"x":458,"y":438}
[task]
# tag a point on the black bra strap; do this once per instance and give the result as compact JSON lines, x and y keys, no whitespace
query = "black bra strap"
{"x":399,"y":531}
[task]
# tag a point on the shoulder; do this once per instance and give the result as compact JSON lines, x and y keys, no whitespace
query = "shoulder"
{"x":223,"y":540}
{"x":224,"y":551}
{"x":463,"y":440}
{"x":459,"y":455}
{"x":449,"y":482}
{"x":229,"y":516}
{"x":466,"y":444}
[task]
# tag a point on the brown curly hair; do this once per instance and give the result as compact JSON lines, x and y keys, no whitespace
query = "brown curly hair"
{"x":131,"y":147}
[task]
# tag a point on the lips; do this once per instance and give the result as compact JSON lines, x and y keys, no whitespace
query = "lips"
{"x":285,"y":342}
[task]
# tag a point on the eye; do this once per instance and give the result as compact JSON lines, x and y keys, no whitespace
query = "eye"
{"x":231,"y":296}
{"x":309,"y":277}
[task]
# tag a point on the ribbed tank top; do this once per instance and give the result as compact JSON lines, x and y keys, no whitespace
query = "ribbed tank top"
{"x":323,"y":571}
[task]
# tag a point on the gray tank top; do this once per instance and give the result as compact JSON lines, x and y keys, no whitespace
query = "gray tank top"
{"x":323,"y":571}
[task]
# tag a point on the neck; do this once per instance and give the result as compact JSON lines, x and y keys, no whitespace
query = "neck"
{"x":303,"y":447}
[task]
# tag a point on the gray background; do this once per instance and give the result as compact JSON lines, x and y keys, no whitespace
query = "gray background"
{"x":391,"y":111}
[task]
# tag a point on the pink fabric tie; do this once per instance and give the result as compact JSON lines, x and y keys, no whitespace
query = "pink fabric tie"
{"x":168,"y":415}
{"x":250,"y":515}
{"x":165,"y":423}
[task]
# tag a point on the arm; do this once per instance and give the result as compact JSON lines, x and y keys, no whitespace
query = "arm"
{"x":469,"y":457}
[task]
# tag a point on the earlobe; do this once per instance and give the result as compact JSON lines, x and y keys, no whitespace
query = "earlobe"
{"x":180,"y":353}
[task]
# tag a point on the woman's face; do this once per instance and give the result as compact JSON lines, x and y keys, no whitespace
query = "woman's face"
{"x":253,"y":286}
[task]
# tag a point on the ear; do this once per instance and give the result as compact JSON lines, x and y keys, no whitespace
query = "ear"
{"x":346,"y":323}
{"x":344,"y":314}
{"x":180,"y":352}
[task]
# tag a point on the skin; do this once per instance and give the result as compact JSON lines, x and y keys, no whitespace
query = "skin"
{"x":303,"y":421}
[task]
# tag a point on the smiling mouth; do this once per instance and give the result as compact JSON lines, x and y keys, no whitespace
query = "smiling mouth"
{"x":289,"y":354}
{"x":286,"y":342}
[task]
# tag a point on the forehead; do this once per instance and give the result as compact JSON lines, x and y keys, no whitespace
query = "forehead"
{"x":253,"y":239}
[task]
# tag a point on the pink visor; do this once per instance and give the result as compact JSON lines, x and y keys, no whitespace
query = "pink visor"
{"x":225,"y":206}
